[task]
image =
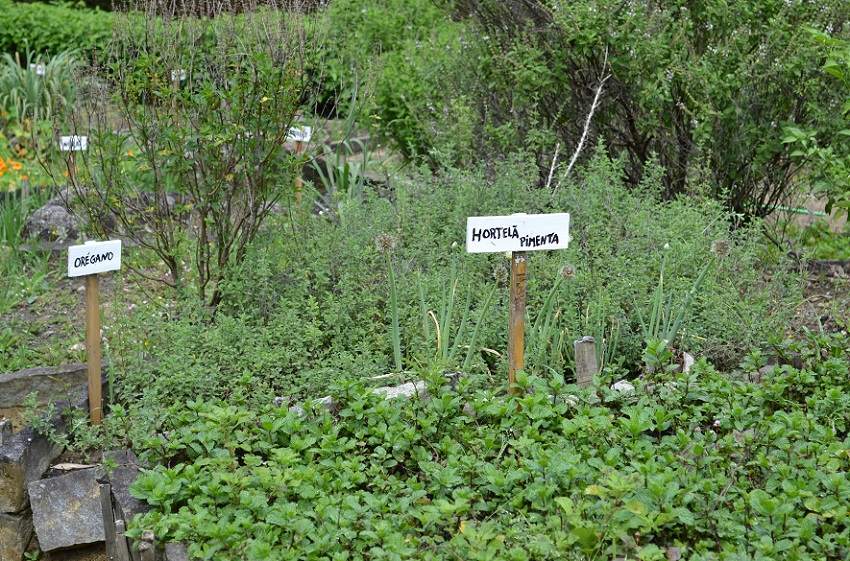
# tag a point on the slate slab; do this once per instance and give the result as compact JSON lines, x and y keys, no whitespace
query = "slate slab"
{"x":122,"y":470}
{"x":15,"y":534}
{"x":60,"y":383}
{"x":176,"y":552}
{"x":66,"y":510}
{"x":24,"y":458}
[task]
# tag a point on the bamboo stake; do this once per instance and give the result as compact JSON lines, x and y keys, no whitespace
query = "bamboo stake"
{"x":93,"y":348}
{"x":516,"y":325}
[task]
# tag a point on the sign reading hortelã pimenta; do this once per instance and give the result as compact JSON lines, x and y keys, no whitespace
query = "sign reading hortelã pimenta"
{"x":94,"y":257}
{"x":517,"y":232}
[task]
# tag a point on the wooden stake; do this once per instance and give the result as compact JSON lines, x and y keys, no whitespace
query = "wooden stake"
{"x":299,"y":182}
{"x":72,"y":169}
{"x":93,"y":347}
{"x":516,"y":326}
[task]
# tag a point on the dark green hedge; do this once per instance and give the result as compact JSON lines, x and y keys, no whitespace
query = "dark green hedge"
{"x":51,"y":28}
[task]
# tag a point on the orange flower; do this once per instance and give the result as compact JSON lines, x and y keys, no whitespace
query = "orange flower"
{"x":16,"y":166}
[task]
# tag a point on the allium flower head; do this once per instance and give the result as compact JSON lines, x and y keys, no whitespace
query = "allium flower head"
{"x":568,"y":271}
{"x":385,"y":243}
{"x":721,"y":248}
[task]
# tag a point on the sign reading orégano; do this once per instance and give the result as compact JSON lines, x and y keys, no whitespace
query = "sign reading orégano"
{"x":517,"y":232}
{"x":94,"y":257}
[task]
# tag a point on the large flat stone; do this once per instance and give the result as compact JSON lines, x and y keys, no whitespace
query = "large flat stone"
{"x":122,"y":468}
{"x":66,"y":510}
{"x":15,"y":534}
{"x":24,"y":458}
{"x":50,"y":384}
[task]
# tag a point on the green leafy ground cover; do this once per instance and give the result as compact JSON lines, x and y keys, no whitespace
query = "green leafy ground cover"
{"x":708,"y":462}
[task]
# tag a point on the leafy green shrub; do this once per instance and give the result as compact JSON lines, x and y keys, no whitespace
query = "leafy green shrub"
{"x":209,"y":124}
{"x":52,"y":28}
{"x":824,"y":149}
{"x":357,"y":34}
{"x":713,"y":466}
{"x":705,"y":88}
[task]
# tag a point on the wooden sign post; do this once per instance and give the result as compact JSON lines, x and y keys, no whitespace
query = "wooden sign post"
{"x":88,"y":260}
{"x":301,"y":136}
{"x":517,"y":234}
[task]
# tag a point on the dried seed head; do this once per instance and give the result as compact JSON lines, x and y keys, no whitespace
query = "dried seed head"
{"x":385,"y":243}
{"x":568,"y":271}
{"x":721,"y":248}
{"x":500,"y":274}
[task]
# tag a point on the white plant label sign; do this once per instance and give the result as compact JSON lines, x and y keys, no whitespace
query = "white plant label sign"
{"x":39,"y":69}
{"x":517,"y":232}
{"x":94,"y":257}
{"x":299,"y":134}
{"x":73,"y":143}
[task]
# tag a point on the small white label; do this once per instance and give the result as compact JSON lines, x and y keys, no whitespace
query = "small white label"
{"x":517,"y":232}
{"x":73,"y":143}
{"x":94,"y":257}
{"x":178,"y":75}
{"x":39,"y":69}
{"x":299,"y":134}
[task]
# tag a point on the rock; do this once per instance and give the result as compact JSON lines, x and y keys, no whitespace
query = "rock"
{"x":5,"y":430}
{"x":23,"y":459}
{"x":66,"y":510}
{"x":328,"y":403}
{"x":15,"y":534}
{"x":61,"y":383}
{"x":571,"y":400}
{"x":54,"y":222}
{"x":176,"y":552}
{"x":120,"y":477}
{"x":406,"y":391}
{"x":623,"y":386}
{"x":687,"y":362}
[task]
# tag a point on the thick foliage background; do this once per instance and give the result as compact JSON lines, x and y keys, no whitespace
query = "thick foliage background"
{"x":311,"y":301}
{"x":51,"y":29}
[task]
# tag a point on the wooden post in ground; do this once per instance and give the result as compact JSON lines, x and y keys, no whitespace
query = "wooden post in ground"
{"x":72,"y":170}
{"x":88,"y":260}
{"x":516,"y":325}
{"x":586,"y":364}
{"x":93,"y":354}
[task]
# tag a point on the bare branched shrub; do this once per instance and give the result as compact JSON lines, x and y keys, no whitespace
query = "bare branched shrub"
{"x":187,"y":120}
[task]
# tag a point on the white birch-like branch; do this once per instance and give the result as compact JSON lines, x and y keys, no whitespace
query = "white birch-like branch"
{"x":593,"y":106}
